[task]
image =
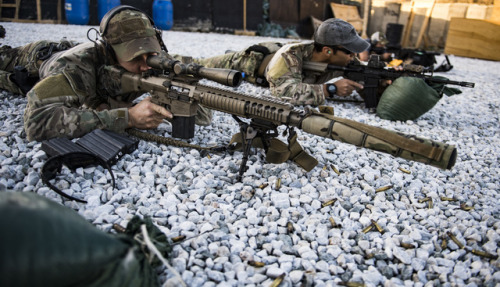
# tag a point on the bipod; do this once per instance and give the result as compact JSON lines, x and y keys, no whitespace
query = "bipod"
{"x":445,"y":66}
{"x":249,"y":132}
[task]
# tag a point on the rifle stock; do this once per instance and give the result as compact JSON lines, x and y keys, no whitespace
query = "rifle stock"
{"x":182,"y":94}
{"x":371,"y":74}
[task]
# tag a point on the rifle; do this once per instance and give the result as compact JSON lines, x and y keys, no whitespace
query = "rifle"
{"x":176,"y":87}
{"x":371,"y":74}
{"x":416,"y":56}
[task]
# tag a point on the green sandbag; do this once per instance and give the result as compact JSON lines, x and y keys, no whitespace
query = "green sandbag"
{"x":407,"y":98}
{"x":46,"y":244}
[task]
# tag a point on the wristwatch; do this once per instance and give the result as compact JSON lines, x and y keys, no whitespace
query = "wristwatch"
{"x":332,"y":89}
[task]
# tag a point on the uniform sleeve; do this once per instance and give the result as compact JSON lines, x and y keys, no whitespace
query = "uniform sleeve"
{"x":284,"y":74}
{"x":55,"y":110}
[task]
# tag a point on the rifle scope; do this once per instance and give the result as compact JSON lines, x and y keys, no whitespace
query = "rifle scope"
{"x":226,"y":77}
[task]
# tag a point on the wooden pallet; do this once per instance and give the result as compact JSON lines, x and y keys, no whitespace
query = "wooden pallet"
{"x":349,"y":14}
{"x":14,"y":5}
{"x":17,"y":3}
{"x":473,"y":38}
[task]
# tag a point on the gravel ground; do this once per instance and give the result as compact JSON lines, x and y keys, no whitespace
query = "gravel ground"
{"x":228,"y":223}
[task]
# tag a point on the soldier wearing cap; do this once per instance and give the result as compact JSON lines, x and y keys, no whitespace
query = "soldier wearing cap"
{"x":280,"y":65}
{"x":75,"y":95}
{"x":335,"y":42}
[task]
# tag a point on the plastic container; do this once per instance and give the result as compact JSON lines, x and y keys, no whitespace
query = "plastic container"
{"x":103,"y":6}
{"x":77,"y":11}
{"x":163,"y":14}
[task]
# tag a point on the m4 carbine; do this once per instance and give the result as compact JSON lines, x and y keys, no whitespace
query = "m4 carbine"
{"x":177,"y":88}
{"x":371,"y":74}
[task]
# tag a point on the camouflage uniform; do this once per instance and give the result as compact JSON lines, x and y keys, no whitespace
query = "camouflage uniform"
{"x":283,"y":73}
{"x":30,"y":57}
{"x":76,"y":94}
{"x":287,"y":80}
{"x":247,"y":61}
{"x":73,"y":85}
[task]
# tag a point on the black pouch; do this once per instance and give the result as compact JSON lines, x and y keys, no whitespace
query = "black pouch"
{"x":23,"y":79}
{"x":99,"y":147}
{"x":108,"y":145}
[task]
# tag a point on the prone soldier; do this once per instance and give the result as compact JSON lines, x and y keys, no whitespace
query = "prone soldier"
{"x":73,"y":95}
{"x":282,"y":68}
{"x":280,"y":65}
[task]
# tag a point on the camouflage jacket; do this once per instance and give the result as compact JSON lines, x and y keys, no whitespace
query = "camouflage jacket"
{"x":73,"y":85}
{"x":287,"y":80}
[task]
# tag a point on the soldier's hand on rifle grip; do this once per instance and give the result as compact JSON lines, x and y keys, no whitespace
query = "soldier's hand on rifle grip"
{"x":385,"y":83}
{"x":146,"y":115}
{"x":345,"y":87}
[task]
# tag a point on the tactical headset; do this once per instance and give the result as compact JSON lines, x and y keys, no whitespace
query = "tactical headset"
{"x":103,"y":27}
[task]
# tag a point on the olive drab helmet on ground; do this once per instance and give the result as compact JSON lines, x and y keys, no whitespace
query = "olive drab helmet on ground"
{"x":130,"y":32}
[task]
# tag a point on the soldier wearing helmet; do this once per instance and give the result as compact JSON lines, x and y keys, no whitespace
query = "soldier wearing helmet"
{"x":74,"y":95}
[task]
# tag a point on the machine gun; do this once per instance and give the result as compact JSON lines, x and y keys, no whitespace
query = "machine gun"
{"x":371,"y":74}
{"x":176,"y":87}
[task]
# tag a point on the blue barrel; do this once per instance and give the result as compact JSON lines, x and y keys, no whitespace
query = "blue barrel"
{"x":103,"y":6}
{"x":77,"y":11}
{"x":163,"y":14}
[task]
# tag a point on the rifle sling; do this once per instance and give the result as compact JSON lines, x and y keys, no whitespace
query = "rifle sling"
{"x":262,"y":67}
{"x":169,"y":141}
{"x":431,"y":152}
{"x":279,"y":152}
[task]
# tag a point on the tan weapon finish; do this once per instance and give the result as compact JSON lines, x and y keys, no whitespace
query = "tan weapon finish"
{"x":181,"y":95}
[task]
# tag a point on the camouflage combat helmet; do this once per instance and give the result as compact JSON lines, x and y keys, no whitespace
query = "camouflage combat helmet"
{"x":130,"y":32}
{"x":337,"y":32}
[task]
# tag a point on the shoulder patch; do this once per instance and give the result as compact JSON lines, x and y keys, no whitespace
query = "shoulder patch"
{"x":278,"y":68}
{"x":53,"y":86}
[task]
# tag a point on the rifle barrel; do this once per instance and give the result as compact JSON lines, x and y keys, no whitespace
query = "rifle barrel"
{"x":450,"y":82}
{"x":356,"y":71}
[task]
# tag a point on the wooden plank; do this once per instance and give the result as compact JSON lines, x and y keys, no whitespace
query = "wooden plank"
{"x":423,"y":29}
{"x":59,"y":14}
{"x":349,"y":14}
{"x":43,"y":21}
{"x":474,"y":38}
{"x":312,"y":8}
{"x":38,"y":11}
{"x":476,"y":11}
{"x":406,"y":34}
{"x":18,"y":5}
{"x":284,"y":11}
{"x":366,"y":11}
{"x":495,"y":14}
